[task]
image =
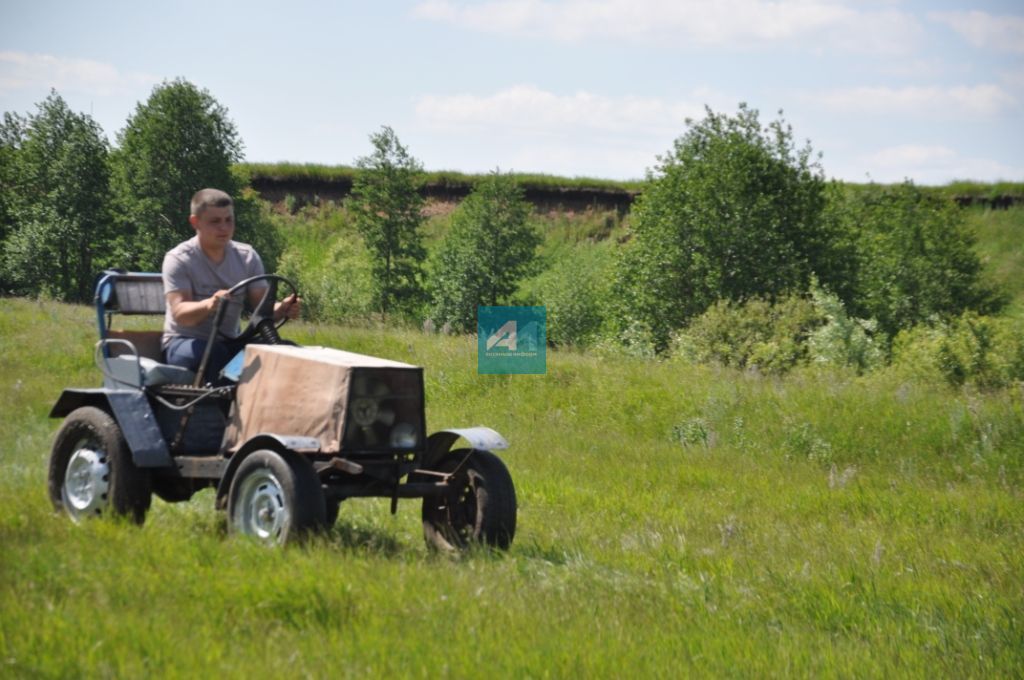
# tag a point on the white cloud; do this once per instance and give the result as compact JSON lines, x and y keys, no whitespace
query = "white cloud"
{"x":914,"y":155}
{"x":962,"y":101}
{"x":935,"y":164}
{"x":530,"y":129}
{"x":980,"y":29}
{"x":686,"y":23}
{"x":568,"y":160}
{"x":886,"y":32}
{"x":528,"y":108}
{"x":22,"y":70}
{"x":922,"y":69}
{"x":1014,"y":79}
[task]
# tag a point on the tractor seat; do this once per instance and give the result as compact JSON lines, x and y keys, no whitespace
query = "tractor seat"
{"x":131,"y":370}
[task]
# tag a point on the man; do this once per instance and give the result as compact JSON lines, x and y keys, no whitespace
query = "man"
{"x":197,"y":275}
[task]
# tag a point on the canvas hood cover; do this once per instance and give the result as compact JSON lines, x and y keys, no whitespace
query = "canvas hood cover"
{"x":304,"y":391}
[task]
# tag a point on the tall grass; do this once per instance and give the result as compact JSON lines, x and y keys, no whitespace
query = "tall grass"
{"x":674,"y":520}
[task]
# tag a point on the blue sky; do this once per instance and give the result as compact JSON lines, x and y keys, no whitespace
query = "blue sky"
{"x":884,"y":89}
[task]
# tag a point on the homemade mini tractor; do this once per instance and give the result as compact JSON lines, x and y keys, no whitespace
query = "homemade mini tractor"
{"x":284,"y":435}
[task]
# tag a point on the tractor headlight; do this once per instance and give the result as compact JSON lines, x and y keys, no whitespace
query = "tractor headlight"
{"x":403,"y":436}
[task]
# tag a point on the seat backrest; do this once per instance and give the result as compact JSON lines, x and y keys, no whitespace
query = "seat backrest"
{"x":139,"y":294}
{"x":146,"y":342}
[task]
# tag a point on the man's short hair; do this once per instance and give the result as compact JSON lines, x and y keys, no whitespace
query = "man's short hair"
{"x":210,"y":198}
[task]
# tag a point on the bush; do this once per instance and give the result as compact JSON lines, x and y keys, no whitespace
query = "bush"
{"x":981,"y":351}
{"x":754,"y":334}
{"x":574,"y":291}
{"x":843,"y":340}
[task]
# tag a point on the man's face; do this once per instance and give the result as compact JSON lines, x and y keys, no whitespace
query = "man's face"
{"x":215,"y":226}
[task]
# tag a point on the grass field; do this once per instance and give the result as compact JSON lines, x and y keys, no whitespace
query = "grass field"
{"x":674,"y":520}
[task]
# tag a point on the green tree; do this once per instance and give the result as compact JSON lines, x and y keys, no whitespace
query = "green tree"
{"x":386,"y":204}
{"x":732,"y":212}
{"x":12,"y":135}
{"x":490,"y":247}
{"x":915,"y":257}
{"x":179,"y":141}
{"x":56,"y":181}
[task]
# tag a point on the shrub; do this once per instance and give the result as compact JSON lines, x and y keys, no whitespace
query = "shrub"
{"x":843,"y":340}
{"x":981,"y":351}
{"x":757,"y":333}
{"x":574,"y":292}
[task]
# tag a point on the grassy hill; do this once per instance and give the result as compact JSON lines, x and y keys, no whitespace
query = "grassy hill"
{"x":674,"y":520}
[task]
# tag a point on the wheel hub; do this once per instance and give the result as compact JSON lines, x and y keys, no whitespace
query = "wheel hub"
{"x":264,"y":511}
{"x":86,"y":483}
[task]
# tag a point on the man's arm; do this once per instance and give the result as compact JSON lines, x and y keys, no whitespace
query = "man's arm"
{"x":189,"y":312}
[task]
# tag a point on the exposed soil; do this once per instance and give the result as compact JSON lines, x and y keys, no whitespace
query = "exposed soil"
{"x":307,"y":191}
{"x":311,"y":191}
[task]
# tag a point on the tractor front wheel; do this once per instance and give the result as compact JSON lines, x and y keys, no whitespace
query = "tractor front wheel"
{"x":275,"y":498}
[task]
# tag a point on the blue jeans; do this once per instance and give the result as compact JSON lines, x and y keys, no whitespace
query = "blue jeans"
{"x":188,"y":352}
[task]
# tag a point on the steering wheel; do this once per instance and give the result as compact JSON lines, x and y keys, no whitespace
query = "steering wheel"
{"x":261,"y":322}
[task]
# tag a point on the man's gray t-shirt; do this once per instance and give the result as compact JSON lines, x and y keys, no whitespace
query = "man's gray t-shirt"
{"x":187,"y":268}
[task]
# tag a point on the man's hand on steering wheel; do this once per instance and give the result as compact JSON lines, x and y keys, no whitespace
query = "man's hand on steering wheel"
{"x":289,"y":308}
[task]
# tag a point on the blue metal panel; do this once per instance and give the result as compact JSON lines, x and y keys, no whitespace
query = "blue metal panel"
{"x":133,"y":415}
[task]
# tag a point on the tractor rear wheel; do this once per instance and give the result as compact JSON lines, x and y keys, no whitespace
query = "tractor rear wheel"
{"x":479,"y":507}
{"x":91,"y":470}
{"x":275,"y":498}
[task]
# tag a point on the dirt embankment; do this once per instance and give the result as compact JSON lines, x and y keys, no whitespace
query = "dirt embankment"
{"x":306,"y":191}
{"x":993,"y":202}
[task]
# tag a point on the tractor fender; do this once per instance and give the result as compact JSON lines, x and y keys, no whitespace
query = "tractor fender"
{"x":131,"y":410}
{"x":281,"y":443}
{"x":479,"y":437}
